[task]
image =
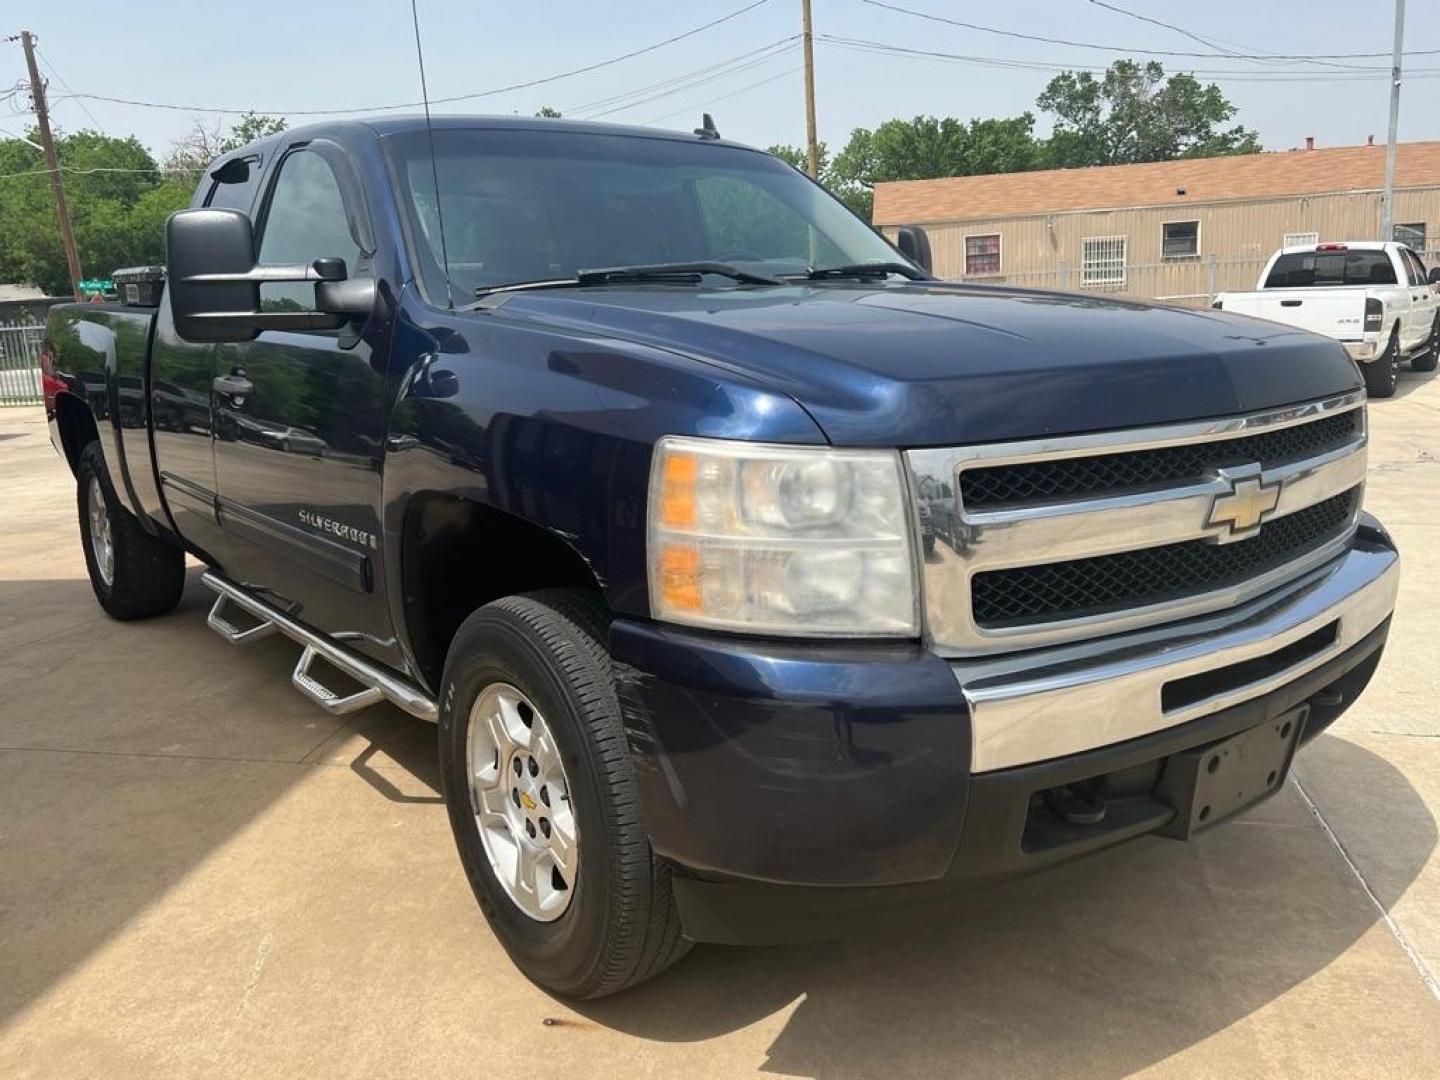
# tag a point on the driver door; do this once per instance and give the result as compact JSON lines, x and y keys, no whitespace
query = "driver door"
{"x":300,"y":417}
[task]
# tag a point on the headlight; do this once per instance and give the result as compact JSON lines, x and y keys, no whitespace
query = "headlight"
{"x":781,"y":539}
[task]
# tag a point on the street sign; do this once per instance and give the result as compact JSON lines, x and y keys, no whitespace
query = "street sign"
{"x":97,"y":285}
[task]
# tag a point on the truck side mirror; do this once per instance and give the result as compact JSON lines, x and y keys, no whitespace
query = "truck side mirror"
{"x":915,"y":246}
{"x":214,"y":282}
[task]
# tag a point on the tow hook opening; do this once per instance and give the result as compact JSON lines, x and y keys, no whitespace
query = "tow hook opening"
{"x":1076,"y":804}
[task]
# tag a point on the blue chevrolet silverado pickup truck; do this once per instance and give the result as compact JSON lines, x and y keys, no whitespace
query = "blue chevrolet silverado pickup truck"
{"x":762,"y":586}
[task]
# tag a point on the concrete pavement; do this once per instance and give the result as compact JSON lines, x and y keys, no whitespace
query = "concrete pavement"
{"x":203,"y":875}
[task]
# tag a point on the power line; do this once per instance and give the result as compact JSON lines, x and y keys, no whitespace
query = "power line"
{"x":1221,"y":47}
{"x":76,"y":171}
{"x":51,"y":68}
{"x":726,"y":97}
{"x":719,"y":69}
{"x":750,"y":65}
{"x":1128,"y":49}
{"x":1225,"y":75}
{"x":435,"y":101}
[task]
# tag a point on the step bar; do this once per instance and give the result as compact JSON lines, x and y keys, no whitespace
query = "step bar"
{"x":377,"y":683}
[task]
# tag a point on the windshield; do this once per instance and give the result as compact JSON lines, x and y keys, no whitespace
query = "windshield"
{"x":522,"y":206}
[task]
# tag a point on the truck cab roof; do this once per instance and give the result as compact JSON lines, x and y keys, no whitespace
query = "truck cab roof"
{"x":383,"y":127}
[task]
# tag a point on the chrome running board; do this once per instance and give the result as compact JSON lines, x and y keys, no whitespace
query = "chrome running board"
{"x":377,"y":684}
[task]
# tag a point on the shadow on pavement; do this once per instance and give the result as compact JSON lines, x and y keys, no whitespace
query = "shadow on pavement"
{"x":1409,"y":382}
{"x":1124,"y":959}
{"x":168,"y":746}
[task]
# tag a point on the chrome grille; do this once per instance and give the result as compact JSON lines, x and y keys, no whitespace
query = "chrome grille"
{"x":1079,"y":587}
{"x":1059,"y":539}
{"x":1105,"y":474}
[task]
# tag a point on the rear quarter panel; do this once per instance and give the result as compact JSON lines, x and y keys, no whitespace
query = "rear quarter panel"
{"x":98,"y":356}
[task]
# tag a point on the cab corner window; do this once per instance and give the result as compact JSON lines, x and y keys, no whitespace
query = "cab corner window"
{"x":236,"y":191}
{"x":305,"y":221}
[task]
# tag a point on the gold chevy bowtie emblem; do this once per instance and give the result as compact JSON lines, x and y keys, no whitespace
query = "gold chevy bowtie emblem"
{"x":527,"y":800}
{"x":1248,"y":503}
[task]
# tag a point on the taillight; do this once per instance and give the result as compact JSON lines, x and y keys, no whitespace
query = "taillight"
{"x":1331,"y":247}
{"x":49,"y":384}
{"x":1374,"y":314}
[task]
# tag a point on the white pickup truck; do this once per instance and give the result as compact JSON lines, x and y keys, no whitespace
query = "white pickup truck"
{"x":1375,"y":298}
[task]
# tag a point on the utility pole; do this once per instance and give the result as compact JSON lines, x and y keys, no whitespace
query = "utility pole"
{"x":52,"y":163}
{"x":812,"y":147}
{"x":1387,"y":200}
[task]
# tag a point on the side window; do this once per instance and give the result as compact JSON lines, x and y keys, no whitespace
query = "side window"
{"x":304,"y":222}
{"x":238,"y":194}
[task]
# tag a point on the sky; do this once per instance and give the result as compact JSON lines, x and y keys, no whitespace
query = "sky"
{"x":286,"y":57}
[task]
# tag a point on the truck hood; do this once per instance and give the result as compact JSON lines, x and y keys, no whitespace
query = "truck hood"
{"x":932,"y":364}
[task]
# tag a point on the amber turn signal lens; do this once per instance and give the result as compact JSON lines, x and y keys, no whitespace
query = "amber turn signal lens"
{"x":680,"y":578}
{"x":677,"y":492}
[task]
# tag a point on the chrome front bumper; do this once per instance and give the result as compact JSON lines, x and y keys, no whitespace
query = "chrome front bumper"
{"x":1065,"y":701}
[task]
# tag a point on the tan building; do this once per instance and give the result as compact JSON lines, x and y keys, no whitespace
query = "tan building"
{"x":1174,"y":230}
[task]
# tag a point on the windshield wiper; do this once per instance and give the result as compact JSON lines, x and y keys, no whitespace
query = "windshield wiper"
{"x":864,"y":270}
{"x":682,"y":272}
{"x":678,"y":273}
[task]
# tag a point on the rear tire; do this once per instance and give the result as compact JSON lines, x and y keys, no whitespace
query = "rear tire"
{"x":134,"y":574}
{"x":542,"y":657}
{"x":1426,"y":358}
{"x":1382,"y":373}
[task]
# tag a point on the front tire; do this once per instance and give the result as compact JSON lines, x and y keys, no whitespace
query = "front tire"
{"x":1383,"y":373}
{"x":134,"y":574}
{"x":1426,"y":358}
{"x":542,"y":797}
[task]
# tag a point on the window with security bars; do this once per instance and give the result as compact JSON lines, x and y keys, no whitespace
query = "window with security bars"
{"x":1179,"y":240}
{"x":1411,"y":235}
{"x":1301,"y":239}
{"x":1102,"y":262}
{"x":982,"y":254}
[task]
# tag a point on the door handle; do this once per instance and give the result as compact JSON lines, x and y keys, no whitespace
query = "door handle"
{"x":1291,"y":303}
{"x":235,"y":386}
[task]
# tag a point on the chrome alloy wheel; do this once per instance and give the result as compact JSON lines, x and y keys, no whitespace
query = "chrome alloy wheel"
{"x":102,"y":546}
{"x":520,"y":796}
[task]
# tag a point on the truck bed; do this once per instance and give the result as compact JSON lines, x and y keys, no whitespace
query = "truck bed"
{"x":1335,"y":311}
{"x":100,"y":352}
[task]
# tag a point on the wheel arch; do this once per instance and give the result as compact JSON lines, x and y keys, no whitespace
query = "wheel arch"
{"x":457,"y":554}
{"x":77,"y":428}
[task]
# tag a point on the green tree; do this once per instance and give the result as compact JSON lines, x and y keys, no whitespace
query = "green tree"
{"x":190,"y":155}
{"x":1135,"y":113}
{"x":548,"y":112}
{"x":249,"y":128}
{"x":926,"y":147}
{"x":118,"y":200}
{"x":797,"y":157}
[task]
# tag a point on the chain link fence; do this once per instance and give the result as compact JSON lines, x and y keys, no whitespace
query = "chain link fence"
{"x":20,"y":363}
{"x":1192,"y":282}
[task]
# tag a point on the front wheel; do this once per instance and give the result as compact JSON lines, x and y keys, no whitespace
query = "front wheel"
{"x":1383,"y":373}
{"x":134,"y":574}
{"x":542,"y":797}
{"x":1425,"y":359}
